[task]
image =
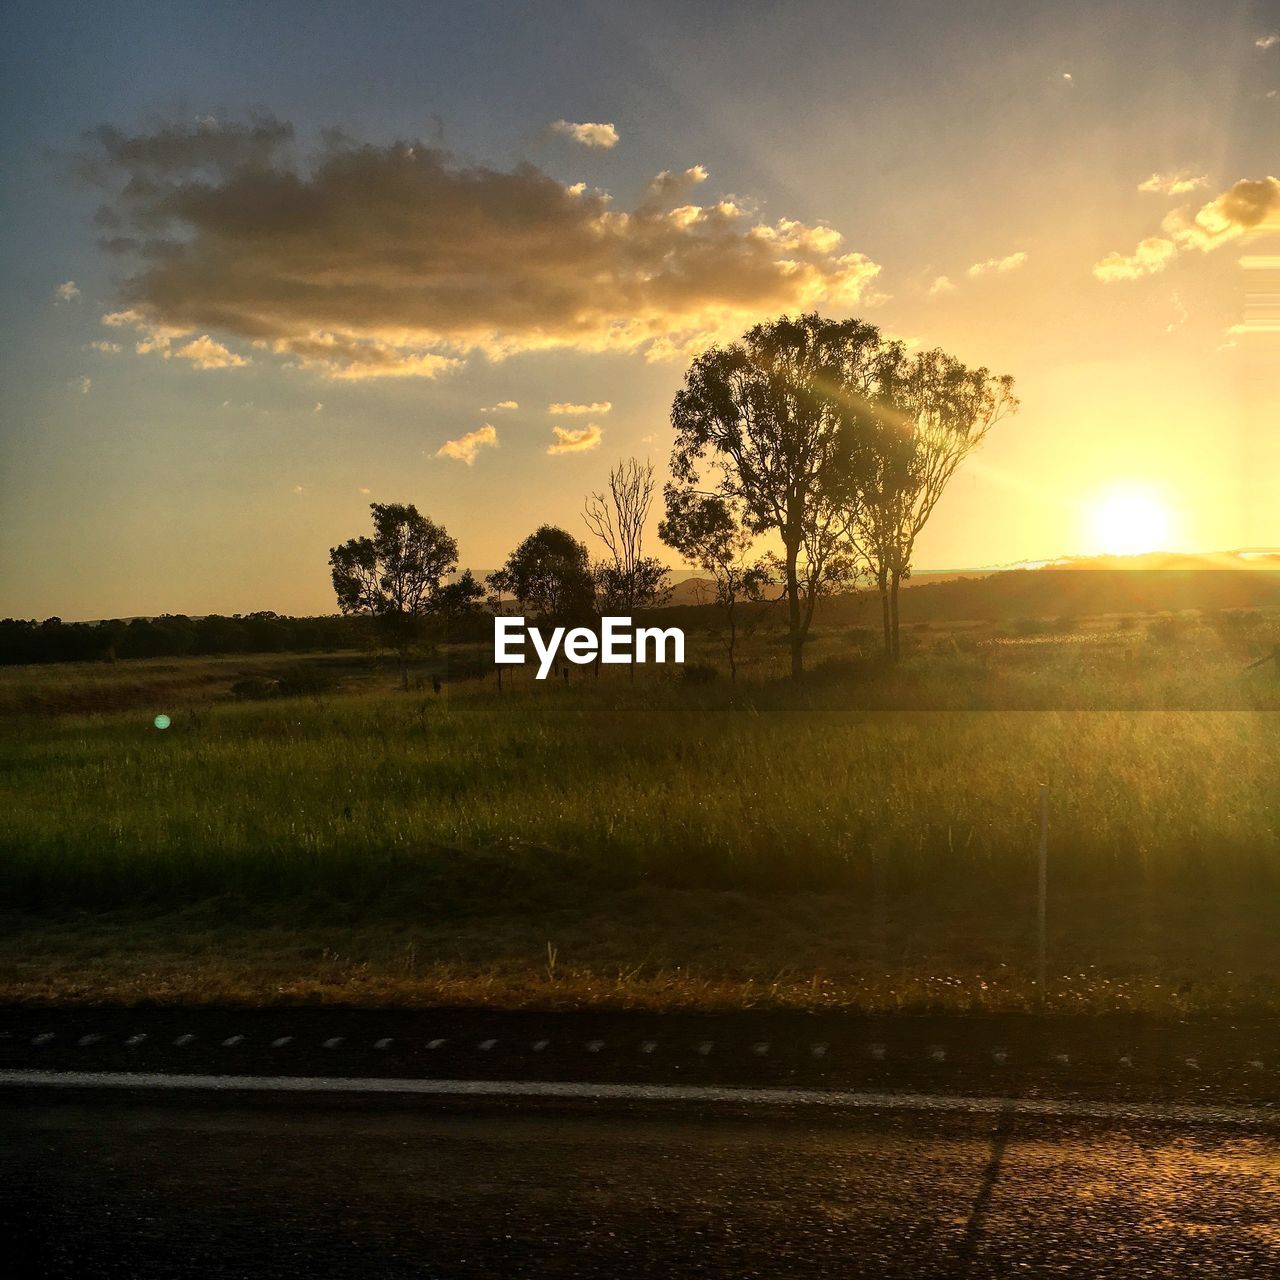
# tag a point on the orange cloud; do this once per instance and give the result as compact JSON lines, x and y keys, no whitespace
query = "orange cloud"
{"x":601,"y":136}
{"x":1245,"y":206}
{"x":1152,"y":254}
{"x":569,"y":409}
{"x":999,"y":265}
{"x":205,"y":353}
{"x":575,"y":439}
{"x":1174,"y":184}
{"x":465,"y":448}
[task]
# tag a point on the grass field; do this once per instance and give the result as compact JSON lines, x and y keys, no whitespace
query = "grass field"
{"x":865,"y":840}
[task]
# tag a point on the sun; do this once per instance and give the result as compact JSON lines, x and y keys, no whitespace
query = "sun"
{"x":1129,"y":521}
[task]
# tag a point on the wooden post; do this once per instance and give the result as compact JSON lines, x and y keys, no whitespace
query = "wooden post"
{"x":1042,"y":888}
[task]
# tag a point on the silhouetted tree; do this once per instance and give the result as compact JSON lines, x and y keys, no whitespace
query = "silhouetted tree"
{"x":628,"y":579}
{"x":771,"y":415}
{"x":704,"y":529}
{"x":397,"y":577}
{"x":549,"y":575}
{"x":928,"y":415}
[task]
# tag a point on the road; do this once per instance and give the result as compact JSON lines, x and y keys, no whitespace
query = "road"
{"x":138,"y":1185}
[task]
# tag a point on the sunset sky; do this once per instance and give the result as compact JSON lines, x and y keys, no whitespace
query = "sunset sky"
{"x":262,"y":265}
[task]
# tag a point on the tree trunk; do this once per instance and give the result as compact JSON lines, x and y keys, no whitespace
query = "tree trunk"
{"x":897,"y":647}
{"x":793,"y":615}
{"x":882,"y":580}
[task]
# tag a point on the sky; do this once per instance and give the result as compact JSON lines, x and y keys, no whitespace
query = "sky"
{"x":262,"y":265}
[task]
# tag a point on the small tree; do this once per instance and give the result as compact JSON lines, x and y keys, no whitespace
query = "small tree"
{"x":628,"y":579}
{"x":705,"y":530}
{"x":549,"y":574}
{"x":397,"y":577}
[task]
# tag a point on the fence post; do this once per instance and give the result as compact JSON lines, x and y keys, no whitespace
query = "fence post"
{"x":1042,"y":886}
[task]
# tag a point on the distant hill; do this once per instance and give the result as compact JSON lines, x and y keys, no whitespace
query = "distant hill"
{"x":1068,"y":588}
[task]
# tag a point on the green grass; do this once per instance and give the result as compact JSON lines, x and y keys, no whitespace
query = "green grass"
{"x":864,"y":840}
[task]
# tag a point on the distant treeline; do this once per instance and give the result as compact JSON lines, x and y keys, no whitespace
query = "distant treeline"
{"x":173,"y":636}
{"x":176,"y":635}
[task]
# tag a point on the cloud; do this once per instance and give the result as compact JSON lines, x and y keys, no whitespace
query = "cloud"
{"x":205,"y":353}
{"x":318,"y":407}
{"x":598,"y":136}
{"x":82,"y":384}
{"x":365,"y":490}
{"x":1174,"y":184}
{"x":67,"y":291}
{"x":501,"y":407}
{"x":465,"y":448}
{"x":1152,"y":254}
{"x":569,"y":409}
{"x":1269,"y":41}
{"x":941,"y":285}
{"x":1245,"y":206}
{"x":399,"y":261}
{"x":999,"y":265}
{"x":106,"y":348}
{"x":575,"y":439}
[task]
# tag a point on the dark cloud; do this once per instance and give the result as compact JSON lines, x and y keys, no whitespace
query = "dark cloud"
{"x":398,"y":260}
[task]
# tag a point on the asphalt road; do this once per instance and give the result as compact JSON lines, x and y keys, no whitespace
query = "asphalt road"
{"x":142,"y":1186}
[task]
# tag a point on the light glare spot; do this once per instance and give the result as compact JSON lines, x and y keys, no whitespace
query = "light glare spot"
{"x":162,"y":721}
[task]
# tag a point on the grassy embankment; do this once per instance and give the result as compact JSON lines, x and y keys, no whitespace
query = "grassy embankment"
{"x":864,"y":841}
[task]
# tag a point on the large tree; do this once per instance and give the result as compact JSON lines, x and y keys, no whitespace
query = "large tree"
{"x":768,"y":425}
{"x":626,"y":579}
{"x":399,"y":576}
{"x":929,"y":413}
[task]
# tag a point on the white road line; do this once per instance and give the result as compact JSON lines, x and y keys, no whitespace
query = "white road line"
{"x":333,"y":1042}
{"x":92,"y":1038}
{"x":1184,"y":1113}
{"x":136,"y":1039}
{"x":231,"y":1041}
{"x":540,"y":1045}
{"x":384,"y":1043}
{"x":182,"y":1041}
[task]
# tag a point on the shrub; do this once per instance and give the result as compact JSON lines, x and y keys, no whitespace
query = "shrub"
{"x":255,"y":687}
{"x":699,"y":673}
